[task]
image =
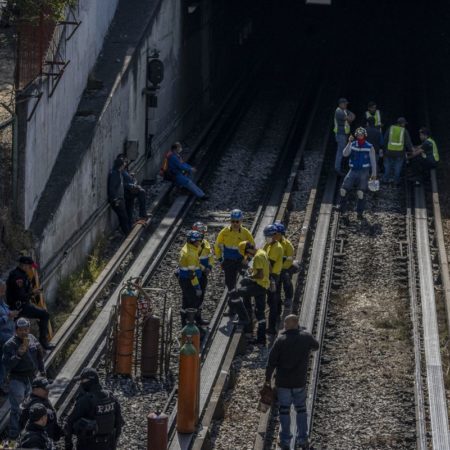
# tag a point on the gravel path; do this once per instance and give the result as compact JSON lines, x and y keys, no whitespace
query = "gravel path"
{"x":365,"y":396}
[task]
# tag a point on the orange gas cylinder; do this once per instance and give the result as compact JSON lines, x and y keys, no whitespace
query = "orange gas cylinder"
{"x":157,"y":431}
{"x":125,"y":332}
{"x":191,"y":330}
{"x":187,"y":388}
{"x":150,"y":345}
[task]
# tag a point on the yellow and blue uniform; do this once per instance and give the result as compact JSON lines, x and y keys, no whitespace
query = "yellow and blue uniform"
{"x":189,"y":265}
{"x":207,"y":261}
{"x":227,"y":252}
{"x":227,"y":242}
{"x":286,"y":274}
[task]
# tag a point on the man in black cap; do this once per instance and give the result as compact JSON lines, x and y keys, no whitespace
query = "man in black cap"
{"x":95,"y":418}
{"x":35,"y":436}
{"x":22,"y":358}
{"x":19,"y":293}
{"x":39,"y":395}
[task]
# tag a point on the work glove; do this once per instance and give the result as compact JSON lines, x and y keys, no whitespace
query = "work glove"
{"x":198,"y":293}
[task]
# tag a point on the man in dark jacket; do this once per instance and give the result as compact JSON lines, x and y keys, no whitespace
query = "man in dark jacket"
{"x":22,"y":358}
{"x":35,"y":435}
{"x":19,"y":293}
{"x":289,"y":358}
{"x":39,"y":395}
{"x":96,"y":418}
{"x":116,"y":194}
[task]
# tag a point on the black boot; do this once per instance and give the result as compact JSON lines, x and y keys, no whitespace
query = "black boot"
{"x":198,"y":319}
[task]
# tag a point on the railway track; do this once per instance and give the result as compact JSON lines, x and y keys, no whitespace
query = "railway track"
{"x":273,"y":123}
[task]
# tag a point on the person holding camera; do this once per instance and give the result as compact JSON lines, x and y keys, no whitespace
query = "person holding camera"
{"x":22,"y":358}
{"x":116,"y":194}
{"x":20,"y":293}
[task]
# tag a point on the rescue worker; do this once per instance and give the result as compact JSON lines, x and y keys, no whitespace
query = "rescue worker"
{"x":22,"y":358}
{"x":189,"y":276}
{"x":19,"y":294}
{"x":39,"y":395}
{"x":7,"y":328}
{"x":374,"y":112}
{"x":274,"y":251}
{"x":132,"y":191}
{"x":35,"y":435}
{"x":375,"y":137}
{"x":206,"y":258}
{"x":96,"y":418}
{"x":396,"y":141}
{"x":289,"y":359}
{"x":181,"y":172}
{"x":227,"y":251}
{"x":342,"y":120}
{"x":116,"y":195}
{"x":424,"y":157}
{"x":287,"y":268}
{"x":255,"y":286}
{"x":362,"y":162}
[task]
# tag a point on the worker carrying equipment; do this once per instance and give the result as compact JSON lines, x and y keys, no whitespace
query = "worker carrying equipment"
{"x":190,"y":272}
{"x":96,"y":418}
{"x":227,"y":250}
{"x":255,"y":285}
{"x":362,"y":161}
{"x":274,"y":251}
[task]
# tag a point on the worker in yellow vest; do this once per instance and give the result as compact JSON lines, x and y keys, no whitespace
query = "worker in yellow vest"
{"x":396,"y":142}
{"x":342,"y":120}
{"x":373,"y":111}
{"x":424,"y":157}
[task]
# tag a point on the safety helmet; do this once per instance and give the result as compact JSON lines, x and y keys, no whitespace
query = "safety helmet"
{"x":244,"y":246}
{"x":360,"y":131}
{"x":280,"y":227}
{"x":194,"y":236}
{"x":374,"y":185}
{"x":200,"y":227}
{"x":270,"y":230}
{"x":236,"y":214}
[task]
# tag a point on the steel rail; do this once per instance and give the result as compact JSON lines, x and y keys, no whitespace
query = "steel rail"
{"x":418,"y":385}
{"x":435,"y":381}
{"x":218,"y":359}
{"x":158,"y":239}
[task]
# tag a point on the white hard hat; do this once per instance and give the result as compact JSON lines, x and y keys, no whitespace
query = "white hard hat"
{"x":374,"y":185}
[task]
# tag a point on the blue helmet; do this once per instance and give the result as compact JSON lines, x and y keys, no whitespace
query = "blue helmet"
{"x":236,"y":214}
{"x":270,"y":230}
{"x":280,"y":227}
{"x":194,"y":236}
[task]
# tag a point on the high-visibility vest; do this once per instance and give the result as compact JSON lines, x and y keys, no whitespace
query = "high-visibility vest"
{"x":435,"y":149}
{"x":376,"y":116}
{"x":360,"y":155}
{"x":396,"y":141}
{"x":346,"y":126}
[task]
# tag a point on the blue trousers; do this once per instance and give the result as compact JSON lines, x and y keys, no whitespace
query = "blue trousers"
{"x":184,"y":181}
{"x":395,"y":164}
{"x":18,"y":391}
{"x":286,"y":398}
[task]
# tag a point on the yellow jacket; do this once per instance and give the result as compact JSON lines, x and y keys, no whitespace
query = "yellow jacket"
{"x":189,"y":264}
{"x":288,"y":253}
{"x":275,"y":253}
{"x":227,"y":242}
{"x":261,"y":261}
{"x":206,"y":255}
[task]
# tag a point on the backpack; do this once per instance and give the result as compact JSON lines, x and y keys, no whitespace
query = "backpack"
{"x":164,"y":170}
